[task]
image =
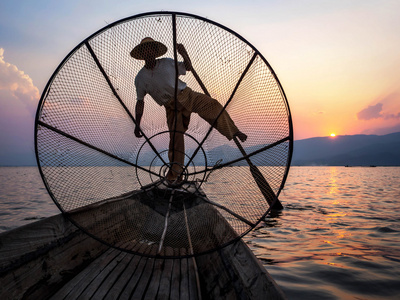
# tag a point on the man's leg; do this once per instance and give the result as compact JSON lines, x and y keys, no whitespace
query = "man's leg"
{"x":176,"y":152}
{"x":209,"y":109}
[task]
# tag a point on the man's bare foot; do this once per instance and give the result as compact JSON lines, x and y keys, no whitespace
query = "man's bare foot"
{"x":174,"y":178}
{"x":242,"y":137}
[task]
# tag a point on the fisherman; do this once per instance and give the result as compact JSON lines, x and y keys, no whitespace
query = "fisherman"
{"x":157,"y":78}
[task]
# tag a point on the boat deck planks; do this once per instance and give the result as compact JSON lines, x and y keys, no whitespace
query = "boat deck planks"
{"x":120,"y":275}
{"x":165,"y":290}
{"x":122,"y":283}
{"x":175,"y":280}
{"x":192,"y":279}
{"x":52,"y":259}
{"x":79,"y":283}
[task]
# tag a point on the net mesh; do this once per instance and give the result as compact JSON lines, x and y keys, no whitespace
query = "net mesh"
{"x":112,"y":183}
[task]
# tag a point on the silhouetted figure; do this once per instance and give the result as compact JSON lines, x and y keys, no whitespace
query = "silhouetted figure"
{"x":157,"y":78}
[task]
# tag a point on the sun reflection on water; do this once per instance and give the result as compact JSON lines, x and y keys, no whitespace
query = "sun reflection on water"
{"x":338,"y":234}
{"x":333,"y":186}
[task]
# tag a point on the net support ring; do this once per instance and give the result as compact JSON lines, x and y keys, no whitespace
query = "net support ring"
{"x":182,"y":174}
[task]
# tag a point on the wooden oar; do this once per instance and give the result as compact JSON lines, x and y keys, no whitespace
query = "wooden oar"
{"x":263,"y":185}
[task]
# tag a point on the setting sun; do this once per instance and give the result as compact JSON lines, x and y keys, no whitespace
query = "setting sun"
{"x":333,"y":135}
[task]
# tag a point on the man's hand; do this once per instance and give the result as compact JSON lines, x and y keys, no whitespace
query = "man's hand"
{"x":182,"y":51}
{"x":138,"y":133}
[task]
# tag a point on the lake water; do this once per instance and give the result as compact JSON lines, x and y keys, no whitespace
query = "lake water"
{"x":337,"y":238}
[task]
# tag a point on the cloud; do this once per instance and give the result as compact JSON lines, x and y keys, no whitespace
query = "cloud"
{"x":18,"y":101}
{"x":18,"y":87}
{"x":371,"y":112}
{"x":376,"y":112}
{"x":387,"y":122}
{"x":392,"y":116}
{"x":383,"y":130}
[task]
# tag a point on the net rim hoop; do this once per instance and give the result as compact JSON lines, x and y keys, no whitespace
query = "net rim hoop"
{"x":161,"y":13}
{"x":142,"y":15}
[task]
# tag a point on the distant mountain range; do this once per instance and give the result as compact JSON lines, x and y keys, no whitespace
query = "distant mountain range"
{"x":343,"y":150}
{"x":348,"y":150}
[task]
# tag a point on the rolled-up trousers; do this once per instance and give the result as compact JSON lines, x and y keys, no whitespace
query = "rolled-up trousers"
{"x":207,"y":108}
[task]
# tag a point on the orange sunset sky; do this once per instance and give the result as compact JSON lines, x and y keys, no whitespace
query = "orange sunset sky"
{"x":338,"y":61}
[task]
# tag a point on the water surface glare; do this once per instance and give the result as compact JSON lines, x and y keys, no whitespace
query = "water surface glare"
{"x":338,"y":236}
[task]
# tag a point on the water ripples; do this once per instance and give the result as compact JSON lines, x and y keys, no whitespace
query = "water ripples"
{"x":23,"y":197}
{"x":337,"y":238}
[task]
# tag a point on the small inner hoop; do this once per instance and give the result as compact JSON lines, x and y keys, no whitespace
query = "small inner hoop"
{"x":181,"y":178}
{"x":192,"y":171}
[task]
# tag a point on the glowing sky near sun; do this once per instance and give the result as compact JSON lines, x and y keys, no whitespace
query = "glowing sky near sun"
{"x":337,"y":61}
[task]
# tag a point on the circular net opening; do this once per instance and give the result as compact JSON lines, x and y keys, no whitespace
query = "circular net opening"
{"x":111,"y":177}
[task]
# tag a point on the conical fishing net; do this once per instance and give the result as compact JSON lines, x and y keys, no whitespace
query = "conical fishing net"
{"x":113,"y":183}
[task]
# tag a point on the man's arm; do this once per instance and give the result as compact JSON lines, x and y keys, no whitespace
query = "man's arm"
{"x":139,"y":113}
{"x":186,"y":60}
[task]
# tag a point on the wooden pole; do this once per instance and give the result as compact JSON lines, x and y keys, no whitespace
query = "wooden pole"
{"x":262,"y":184}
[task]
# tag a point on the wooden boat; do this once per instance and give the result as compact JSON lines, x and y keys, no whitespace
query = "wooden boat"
{"x":159,"y":246}
{"x":53,"y":259}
